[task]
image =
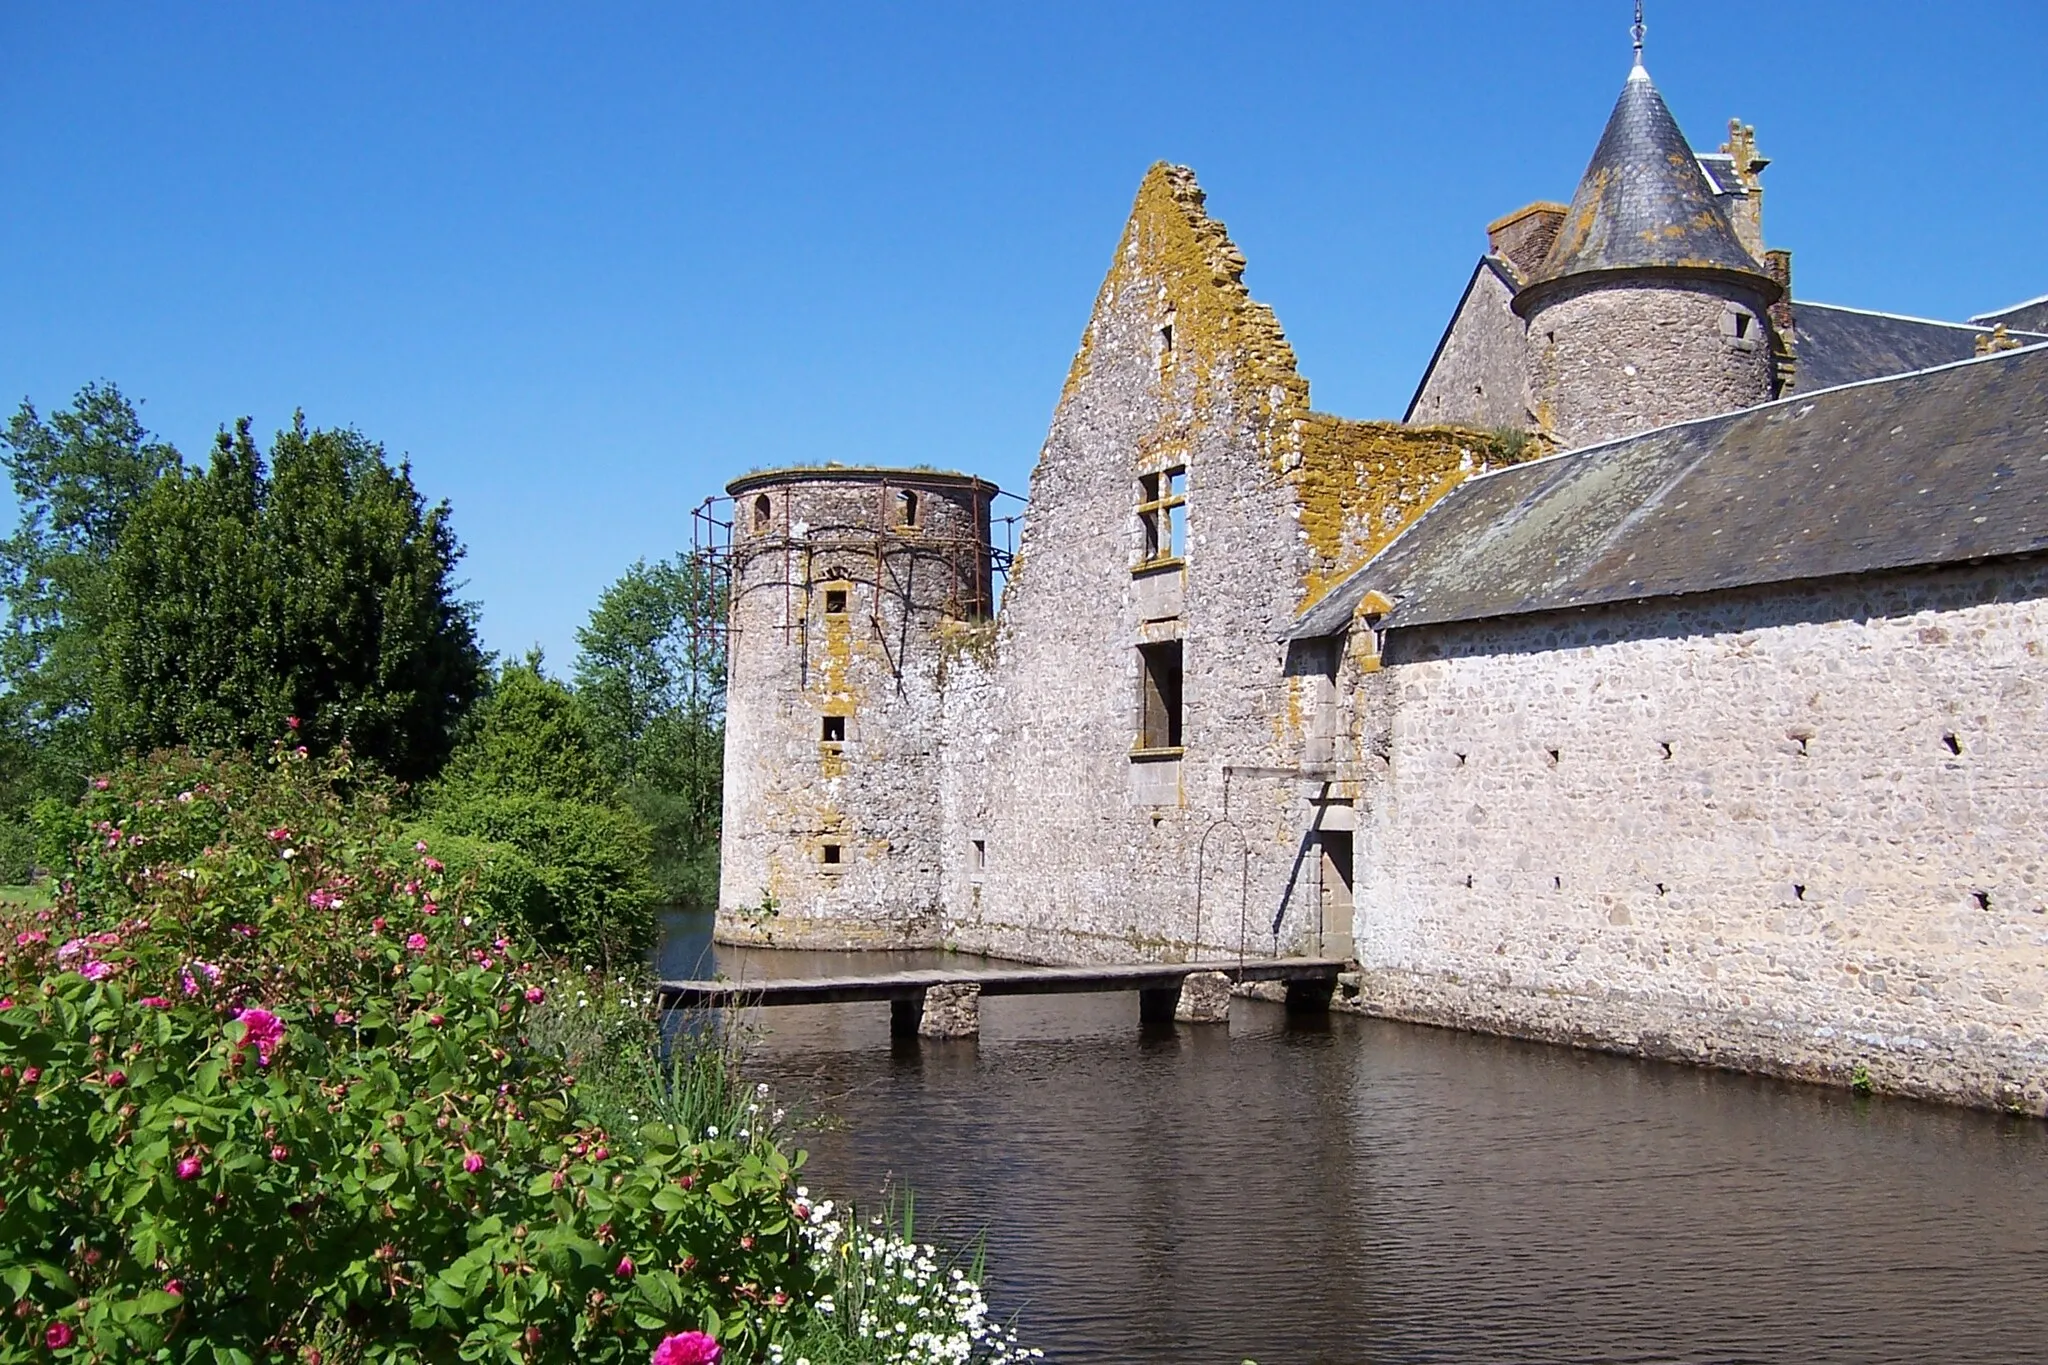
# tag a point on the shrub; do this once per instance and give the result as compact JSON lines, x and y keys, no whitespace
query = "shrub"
{"x":590,"y":862}
{"x":266,"y":1091}
{"x":525,"y":779}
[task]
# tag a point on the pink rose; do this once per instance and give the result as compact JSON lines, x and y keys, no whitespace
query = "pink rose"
{"x":189,"y":1168}
{"x":31,"y":1074}
{"x":686,"y":1348}
{"x":472,"y":1162}
{"x":175,"y":1288}
{"x":431,"y":864}
{"x":419,"y":846}
{"x":279,"y":1153}
{"x":155,"y":1002}
{"x":262,"y":1030}
{"x":292,"y":721}
{"x":95,"y":970}
{"x":534,"y":995}
{"x":416,"y":943}
{"x":6,"y":1002}
{"x":58,"y":1337}
{"x":117,"y":1078}
{"x":626,"y":1267}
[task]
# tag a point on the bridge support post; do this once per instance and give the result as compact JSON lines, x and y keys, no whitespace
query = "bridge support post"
{"x":952,"y":1011}
{"x":1155,"y":1006}
{"x":1204,"y":998}
{"x":905,"y":1014}
{"x":1310,"y":995}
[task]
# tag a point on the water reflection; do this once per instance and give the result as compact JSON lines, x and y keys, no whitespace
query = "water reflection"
{"x":1368,"y":1191}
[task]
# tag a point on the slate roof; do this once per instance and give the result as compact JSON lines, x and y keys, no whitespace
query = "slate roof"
{"x":1720,"y":172}
{"x":1844,"y":345}
{"x":1644,"y":203}
{"x":1938,"y":467}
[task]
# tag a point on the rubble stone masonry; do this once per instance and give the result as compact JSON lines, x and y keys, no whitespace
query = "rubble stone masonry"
{"x":1794,"y":830}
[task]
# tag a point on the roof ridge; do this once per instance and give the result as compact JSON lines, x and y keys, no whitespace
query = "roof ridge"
{"x":2010,"y":308}
{"x":1796,"y":397}
{"x":1900,"y":317}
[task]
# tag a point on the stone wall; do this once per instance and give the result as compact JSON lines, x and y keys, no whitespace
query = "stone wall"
{"x":1608,"y":360}
{"x":1094,"y":846}
{"x":1479,"y":376}
{"x":1791,"y":830}
{"x":832,"y":817}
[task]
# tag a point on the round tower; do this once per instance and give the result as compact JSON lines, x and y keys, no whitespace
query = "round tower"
{"x":1647,"y":308}
{"x":843,"y":581}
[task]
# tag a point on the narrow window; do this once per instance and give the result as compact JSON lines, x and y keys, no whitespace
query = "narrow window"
{"x":763,"y":511}
{"x":828,"y":854}
{"x":1159,"y":704}
{"x":906,"y":508}
{"x":1162,"y":509}
{"x":835,"y":601}
{"x":1336,"y":879}
{"x":979,"y":862}
{"x":832,"y":730}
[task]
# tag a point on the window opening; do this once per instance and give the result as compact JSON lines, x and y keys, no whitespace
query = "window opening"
{"x":764,"y":511}
{"x":832,"y":729}
{"x":1336,"y":897}
{"x":1162,"y":508}
{"x":979,"y":862}
{"x":835,"y":601}
{"x":1159,"y":706}
{"x":829,"y":854}
{"x":906,"y":508}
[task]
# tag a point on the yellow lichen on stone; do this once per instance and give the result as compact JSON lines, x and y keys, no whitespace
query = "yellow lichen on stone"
{"x":1360,"y":484}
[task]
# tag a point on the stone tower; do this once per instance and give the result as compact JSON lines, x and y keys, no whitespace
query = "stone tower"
{"x":1646,"y":309}
{"x":845,"y":585}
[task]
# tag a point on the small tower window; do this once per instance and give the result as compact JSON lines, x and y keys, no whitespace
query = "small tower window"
{"x":1162,"y":509}
{"x":829,"y":853}
{"x":832,"y":730}
{"x":906,"y":508}
{"x":1738,"y":328}
{"x":835,"y":601}
{"x":764,"y":511}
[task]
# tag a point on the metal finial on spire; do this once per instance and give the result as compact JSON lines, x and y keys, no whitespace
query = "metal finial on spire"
{"x":1636,"y":32}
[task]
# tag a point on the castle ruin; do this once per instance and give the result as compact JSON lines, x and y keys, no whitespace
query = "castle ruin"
{"x":1669,"y":680}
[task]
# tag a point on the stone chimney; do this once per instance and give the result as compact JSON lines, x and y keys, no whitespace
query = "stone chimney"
{"x":1523,"y":238}
{"x":1745,"y":209}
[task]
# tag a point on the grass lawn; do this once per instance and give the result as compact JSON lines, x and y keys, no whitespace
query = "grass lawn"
{"x":35,"y":897}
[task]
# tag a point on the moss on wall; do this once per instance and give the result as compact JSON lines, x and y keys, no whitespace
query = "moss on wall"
{"x":1357,"y":484}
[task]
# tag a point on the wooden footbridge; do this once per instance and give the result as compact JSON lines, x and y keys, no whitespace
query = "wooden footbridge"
{"x":952,"y":993}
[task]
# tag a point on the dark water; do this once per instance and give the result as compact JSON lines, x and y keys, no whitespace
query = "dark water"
{"x":1375,"y":1192}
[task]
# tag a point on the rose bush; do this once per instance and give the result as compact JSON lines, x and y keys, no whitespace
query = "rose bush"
{"x":268,"y":1091}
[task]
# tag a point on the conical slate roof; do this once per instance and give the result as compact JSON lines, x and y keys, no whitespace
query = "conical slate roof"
{"x":1644,"y":203}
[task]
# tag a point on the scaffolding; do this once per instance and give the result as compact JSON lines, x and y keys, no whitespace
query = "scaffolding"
{"x":886,"y":558}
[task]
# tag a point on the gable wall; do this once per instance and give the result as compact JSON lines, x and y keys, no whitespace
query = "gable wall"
{"x":1480,"y":375}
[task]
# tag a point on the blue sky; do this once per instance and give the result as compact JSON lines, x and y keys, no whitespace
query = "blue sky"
{"x":585,"y":263}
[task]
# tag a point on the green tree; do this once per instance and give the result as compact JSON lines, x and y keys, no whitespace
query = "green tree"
{"x":318,"y":588}
{"x":538,"y":823}
{"x":651,"y":674}
{"x":78,"y":477}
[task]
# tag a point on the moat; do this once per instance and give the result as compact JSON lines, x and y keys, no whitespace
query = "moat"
{"x":1361,"y":1191}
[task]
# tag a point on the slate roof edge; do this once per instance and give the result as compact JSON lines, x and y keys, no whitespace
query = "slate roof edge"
{"x":1293,"y":632}
{"x":1971,"y":326}
{"x":1625,"y":599}
{"x":1798,"y":396}
{"x":2009,"y":308}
